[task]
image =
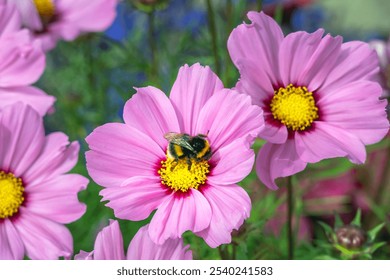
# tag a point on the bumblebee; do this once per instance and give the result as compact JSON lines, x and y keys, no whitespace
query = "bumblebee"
{"x":184,"y":146}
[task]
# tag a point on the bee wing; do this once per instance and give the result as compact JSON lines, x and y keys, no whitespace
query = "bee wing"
{"x":176,"y":138}
{"x":172,"y":135}
{"x":183,"y":144}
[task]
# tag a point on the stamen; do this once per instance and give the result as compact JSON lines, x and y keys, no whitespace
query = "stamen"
{"x":45,"y":8}
{"x":11,"y":194}
{"x":183,"y":174}
{"x":294,"y":107}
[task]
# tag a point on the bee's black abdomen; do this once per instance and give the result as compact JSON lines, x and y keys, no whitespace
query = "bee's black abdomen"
{"x":201,"y":147}
{"x":198,"y":144}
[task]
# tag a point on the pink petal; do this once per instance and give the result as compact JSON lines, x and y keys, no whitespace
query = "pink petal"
{"x":26,"y":137}
{"x":230,"y":206}
{"x":109,"y":243}
{"x":119,"y":152}
{"x":11,"y":246}
{"x":380,"y":48}
{"x":259,"y":42}
{"x":57,"y":157}
{"x":49,"y":40}
{"x":124,"y":142}
{"x":328,"y":141}
{"x":9,"y":19}
{"x":254,"y":82}
{"x":43,"y":238}
{"x":21,"y":60}
{"x":136,"y":198}
{"x":320,"y":63}
{"x":151,"y":112}
{"x":274,"y":161}
{"x":352,"y":108}
{"x":143,"y":248}
{"x":356,"y":61}
{"x":82,"y":255}
{"x":224,"y":124}
{"x":274,"y":131}
{"x":296,"y":49}
{"x":56,"y":199}
{"x":306,"y":59}
{"x":232,"y":163}
{"x":179,"y":213}
{"x":32,"y":96}
{"x":87,"y":15}
{"x":193,"y":87}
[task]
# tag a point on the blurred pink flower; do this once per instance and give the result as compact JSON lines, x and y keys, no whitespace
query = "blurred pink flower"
{"x":53,"y":20}
{"x":22,"y":62}
{"x":36,"y":197}
{"x":321,"y":200}
{"x":109,"y":246}
{"x":130,"y":160}
{"x":382,"y":48}
{"x":318,"y":95}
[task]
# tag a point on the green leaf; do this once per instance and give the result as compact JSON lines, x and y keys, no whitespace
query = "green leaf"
{"x":328,"y":230}
{"x":373,"y":232}
{"x":376,"y":246}
{"x":337,"y":221}
{"x":357,"y":220}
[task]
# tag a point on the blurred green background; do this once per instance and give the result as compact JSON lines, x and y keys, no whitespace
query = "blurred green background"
{"x":94,"y":76}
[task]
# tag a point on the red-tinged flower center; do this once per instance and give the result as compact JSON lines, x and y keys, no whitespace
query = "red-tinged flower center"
{"x":183,"y":174}
{"x":45,"y":8}
{"x":295,"y":107}
{"x":11,"y":194}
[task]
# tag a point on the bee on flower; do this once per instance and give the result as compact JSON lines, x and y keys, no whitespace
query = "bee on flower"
{"x":182,"y":155}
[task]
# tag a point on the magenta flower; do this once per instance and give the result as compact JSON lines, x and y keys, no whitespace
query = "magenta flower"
{"x":53,"y":20}
{"x":316,"y":93}
{"x":201,"y":195}
{"x":109,"y":246}
{"x":22,"y":62}
{"x":36,"y":197}
{"x":382,"y":49}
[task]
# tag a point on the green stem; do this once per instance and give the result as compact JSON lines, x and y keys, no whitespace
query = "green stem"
{"x":213,"y":33}
{"x":278,"y":17}
{"x":290,"y":210}
{"x":234,"y":250}
{"x":259,"y":5}
{"x":152,"y":45}
{"x":99,"y":101}
{"x":222,"y":253}
{"x":380,"y":195}
{"x":229,"y":24}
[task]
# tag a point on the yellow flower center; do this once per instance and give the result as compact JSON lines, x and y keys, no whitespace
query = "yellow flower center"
{"x":45,"y":8}
{"x":183,"y":174}
{"x":11,"y":194}
{"x":295,"y":107}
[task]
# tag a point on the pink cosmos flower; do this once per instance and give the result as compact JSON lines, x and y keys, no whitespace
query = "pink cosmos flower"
{"x":316,"y":92}
{"x":21,"y":63}
{"x":201,"y":195}
{"x":109,"y":246}
{"x":382,"y":48}
{"x":36,"y":197}
{"x":52,"y":20}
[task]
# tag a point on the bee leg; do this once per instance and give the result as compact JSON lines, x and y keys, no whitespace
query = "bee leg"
{"x":174,"y":163}
{"x":189,"y":163}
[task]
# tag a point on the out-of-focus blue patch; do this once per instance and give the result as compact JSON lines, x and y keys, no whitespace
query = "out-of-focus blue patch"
{"x":193,"y":21}
{"x":182,"y":15}
{"x":308,"y":18}
{"x":123,"y":23}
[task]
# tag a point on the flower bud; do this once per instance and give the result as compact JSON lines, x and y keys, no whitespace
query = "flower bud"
{"x":351,"y":236}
